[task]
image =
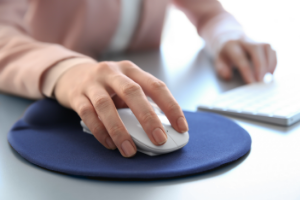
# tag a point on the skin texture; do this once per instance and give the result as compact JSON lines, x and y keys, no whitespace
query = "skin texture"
{"x":94,"y":91}
{"x":253,"y":60}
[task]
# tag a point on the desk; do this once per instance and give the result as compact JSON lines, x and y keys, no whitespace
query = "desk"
{"x":269,"y":171}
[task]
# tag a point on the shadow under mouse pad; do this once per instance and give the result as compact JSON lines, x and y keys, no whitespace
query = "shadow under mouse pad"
{"x":50,"y":136}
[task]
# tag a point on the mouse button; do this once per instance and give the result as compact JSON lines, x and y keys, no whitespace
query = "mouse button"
{"x":163,"y":119}
{"x":169,"y":146}
{"x":179,"y":138}
{"x":137,"y":132}
{"x":133,"y":127}
{"x":125,"y":112}
{"x":127,"y":117}
{"x":143,"y":142}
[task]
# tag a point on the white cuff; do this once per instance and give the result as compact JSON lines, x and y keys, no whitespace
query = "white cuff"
{"x":220,"y":29}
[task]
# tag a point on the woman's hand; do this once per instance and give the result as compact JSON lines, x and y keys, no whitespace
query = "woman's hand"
{"x":94,"y":91}
{"x":253,"y":60}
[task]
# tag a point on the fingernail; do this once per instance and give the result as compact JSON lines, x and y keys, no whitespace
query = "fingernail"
{"x":127,"y":148}
{"x":159,"y":136}
{"x":182,"y":124}
{"x":110,"y":143}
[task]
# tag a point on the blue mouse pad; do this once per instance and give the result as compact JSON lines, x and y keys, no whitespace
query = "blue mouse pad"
{"x":51,"y":137}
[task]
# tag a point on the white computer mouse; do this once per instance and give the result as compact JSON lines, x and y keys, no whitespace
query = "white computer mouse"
{"x":175,"y":140}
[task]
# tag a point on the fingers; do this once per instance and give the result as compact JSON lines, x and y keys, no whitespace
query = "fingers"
{"x":119,"y":103}
{"x":87,"y":113}
{"x":161,"y":95}
{"x":120,"y":84}
{"x":223,"y":69}
{"x":258,"y":58}
{"x":134,"y":97}
{"x":253,"y":60}
{"x":271,"y":58}
{"x":106,"y":111}
{"x":237,"y":57}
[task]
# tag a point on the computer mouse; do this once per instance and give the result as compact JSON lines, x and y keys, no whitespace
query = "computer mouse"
{"x":144,"y":145}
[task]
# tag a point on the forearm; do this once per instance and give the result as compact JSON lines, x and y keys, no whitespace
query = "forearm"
{"x":23,"y":62}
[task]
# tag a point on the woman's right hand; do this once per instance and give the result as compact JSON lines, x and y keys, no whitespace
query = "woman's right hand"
{"x":94,"y":91}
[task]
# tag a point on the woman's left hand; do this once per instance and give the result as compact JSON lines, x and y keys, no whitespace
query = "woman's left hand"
{"x":253,"y":60}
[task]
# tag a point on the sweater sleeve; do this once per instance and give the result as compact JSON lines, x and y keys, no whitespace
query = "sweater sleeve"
{"x":24,"y":60}
{"x":214,"y":24}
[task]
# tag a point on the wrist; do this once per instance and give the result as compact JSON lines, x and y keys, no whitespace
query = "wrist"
{"x":219,"y":30}
{"x":55,"y":72}
{"x":68,"y":82}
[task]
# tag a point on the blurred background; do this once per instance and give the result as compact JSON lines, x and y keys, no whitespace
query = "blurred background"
{"x":272,"y":21}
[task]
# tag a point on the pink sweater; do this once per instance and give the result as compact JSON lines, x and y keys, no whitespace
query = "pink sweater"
{"x":41,"y":39}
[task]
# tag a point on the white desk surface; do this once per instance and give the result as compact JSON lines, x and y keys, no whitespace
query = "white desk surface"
{"x":269,"y":171}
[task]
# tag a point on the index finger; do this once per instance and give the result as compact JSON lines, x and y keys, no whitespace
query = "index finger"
{"x":108,"y":114}
{"x":134,"y":97}
{"x":161,"y":95}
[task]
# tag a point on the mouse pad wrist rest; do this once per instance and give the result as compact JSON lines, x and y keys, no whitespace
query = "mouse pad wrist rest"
{"x":50,"y":136}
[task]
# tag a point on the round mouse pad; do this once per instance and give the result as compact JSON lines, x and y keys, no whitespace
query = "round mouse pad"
{"x":50,"y":136}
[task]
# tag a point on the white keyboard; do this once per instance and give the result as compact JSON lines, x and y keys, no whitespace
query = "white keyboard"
{"x":267,"y":102}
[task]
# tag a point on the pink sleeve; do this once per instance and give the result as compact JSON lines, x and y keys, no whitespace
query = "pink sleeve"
{"x":215,"y":25}
{"x":24,"y":60}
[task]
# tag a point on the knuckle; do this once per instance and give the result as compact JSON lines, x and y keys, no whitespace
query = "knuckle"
{"x":127,"y":63}
{"x":116,"y":132}
{"x":131,"y":88}
{"x":146,"y":117}
{"x":173,"y":108}
{"x":129,"y":67}
{"x":102,"y":102}
{"x":157,"y":85}
{"x":103,"y":66}
{"x":84,"y":110}
{"x":97,"y":129}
